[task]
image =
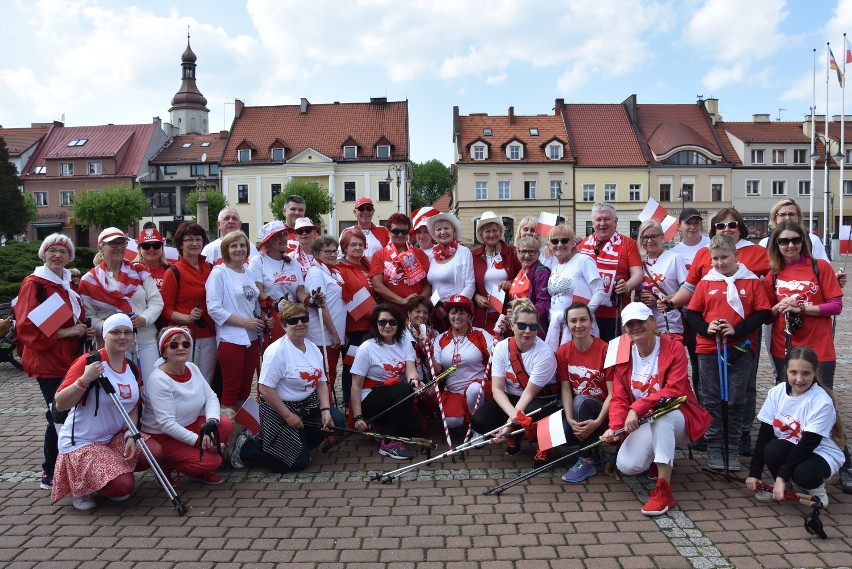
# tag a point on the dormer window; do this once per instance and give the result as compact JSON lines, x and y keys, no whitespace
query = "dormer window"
{"x":350,"y":152}
{"x":78,"y":142}
{"x":187,"y":144}
{"x":277,"y":154}
{"x":480,"y":152}
{"x":95,"y":168}
{"x":66,"y":169}
{"x":487,"y":132}
{"x":513,"y":152}
{"x":383,"y":152}
{"x":533,"y":132}
{"x":244,"y":155}
{"x":205,"y":144}
{"x":554,"y":151}
{"x":40,"y":170}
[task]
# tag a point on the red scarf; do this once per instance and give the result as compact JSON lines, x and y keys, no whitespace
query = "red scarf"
{"x":606,"y":259}
{"x":443,"y":253}
{"x":95,"y":286}
{"x":351,"y":282}
{"x":402,"y":266}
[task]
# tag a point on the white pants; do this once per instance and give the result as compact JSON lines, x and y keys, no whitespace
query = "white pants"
{"x":652,"y":442}
{"x":205,"y":357}
{"x":471,"y":392}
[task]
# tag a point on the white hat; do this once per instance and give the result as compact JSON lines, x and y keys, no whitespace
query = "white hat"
{"x":111,"y":234}
{"x":268,"y":230}
{"x":117,"y":319}
{"x":635,"y":311}
{"x":304,"y":222}
{"x":454,"y":221}
{"x":486,"y":219}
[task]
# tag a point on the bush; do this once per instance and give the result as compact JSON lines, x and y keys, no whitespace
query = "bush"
{"x":17,"y":260}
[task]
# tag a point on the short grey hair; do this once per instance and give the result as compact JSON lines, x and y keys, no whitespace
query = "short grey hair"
{"x":528,"y":243}
{"x":646,"y":225}
{"x":225,"y":210}
{"x":599,"y":207}
{"x":321,"y":243}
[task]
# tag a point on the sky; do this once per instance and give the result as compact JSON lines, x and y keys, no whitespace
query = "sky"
{"x":118,"y":61}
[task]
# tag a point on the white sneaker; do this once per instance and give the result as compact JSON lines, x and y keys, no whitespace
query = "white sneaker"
{"x":118,"y":498}
{"x":764,"y":496}
{"x":819,"y":492}
{"x":84,"y":502}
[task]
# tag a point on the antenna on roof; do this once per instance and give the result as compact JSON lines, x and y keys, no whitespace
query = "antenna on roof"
{"x":779,"y":114}
{"x":700,"y":97}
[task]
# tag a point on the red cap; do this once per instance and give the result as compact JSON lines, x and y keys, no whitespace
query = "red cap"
{"x":460,"y":301}
{"x":363,"y":201}
{"x":150,"y":235}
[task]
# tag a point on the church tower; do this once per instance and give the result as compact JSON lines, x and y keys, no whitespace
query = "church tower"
{"x":189,"y":112}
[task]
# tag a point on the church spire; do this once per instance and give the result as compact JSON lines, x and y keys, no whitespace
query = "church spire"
{"x":189,"y":107}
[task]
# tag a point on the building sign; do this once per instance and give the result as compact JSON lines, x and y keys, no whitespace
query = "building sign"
{"x":50,"y":216}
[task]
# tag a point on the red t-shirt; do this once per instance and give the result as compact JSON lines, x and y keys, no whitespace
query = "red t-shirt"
{"x":377,"y":267}
{"x":754,"y":257}
{"x":185,"y":295}
{"x":628,"y":257}
{"x":710,"y":299}
{"x":584,"y":370}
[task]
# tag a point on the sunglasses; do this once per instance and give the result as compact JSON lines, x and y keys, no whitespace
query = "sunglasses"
{"x":154,"y":246}
{"x":564,"y":241}
{"x":382,"y":323}
{"x":730,"y":225}
{"x":399,"y":231}
{"x":366,"y":208}
{"x":784,"y":241}
{"x":296,"y":319}
{"x":523,"y":326}
{"x":304,"y":231}
{"x":185,"y":345}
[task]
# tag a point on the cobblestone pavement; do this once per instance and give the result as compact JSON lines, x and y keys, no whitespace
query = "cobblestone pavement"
{"x":333,"y":515}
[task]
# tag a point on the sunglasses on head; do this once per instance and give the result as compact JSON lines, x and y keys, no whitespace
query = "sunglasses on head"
{"x":382,"y":323}
{"x":564,"y":241}
{"x":296,"y":319}
{"x":185,"y":345}
{"x":730,"y":225}
{"x":154,"y":246}
{"x":523,"y":326}
{"x":366,"y":208}
{"x":397,"y":231}
{"x":784,"y":241}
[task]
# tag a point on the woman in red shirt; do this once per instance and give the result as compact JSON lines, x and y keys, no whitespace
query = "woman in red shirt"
{"x":495,"y":263}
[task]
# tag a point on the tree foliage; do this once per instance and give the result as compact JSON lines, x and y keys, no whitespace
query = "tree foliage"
{"x":118,"y":207}
{"x":215,"y":202}
{"x":318,"y":200}
{"x":429,"y":181}
{"x":13,"y":209}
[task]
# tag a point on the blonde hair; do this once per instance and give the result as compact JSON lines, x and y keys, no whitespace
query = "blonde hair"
{"x":720,"y":241}
{"x":232,"y":237}
{"x":523,"y":306}
{"x":528,"y":220}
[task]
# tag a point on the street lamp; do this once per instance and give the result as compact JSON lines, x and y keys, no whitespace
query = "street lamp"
{"x":398,"y":170}
{"x":683,"y":195}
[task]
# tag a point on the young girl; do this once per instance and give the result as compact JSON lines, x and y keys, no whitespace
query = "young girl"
{"x":729,"y":305}
{"x":800,"y":435}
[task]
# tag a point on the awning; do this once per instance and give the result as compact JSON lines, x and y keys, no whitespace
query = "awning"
{"x":48,"y":224}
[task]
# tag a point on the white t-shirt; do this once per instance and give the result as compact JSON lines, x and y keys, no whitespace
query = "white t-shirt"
{"x":292,"y":373}
{"x":688,"y":252}
{"x":578,"y":279}
{"x":213,"y":252}
{"x":229,"y":293}
{"x":319,"y":276}
{"x":380,"y":362}
{"x":817,"y":248}
{"x":280,"y":278}
{"x":669,"y":272}
{"x":539,"y":363}
{"x":645,"y":379}
{"x":170,"y":406}
{"x":812,"y":411}
{"x":493,"y":277}
{"x":464,"y":354}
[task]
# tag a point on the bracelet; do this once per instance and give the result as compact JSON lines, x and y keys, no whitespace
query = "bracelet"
{"x":359,"y":418}
{"x":325,"y":409}
{"x":81,"y":385}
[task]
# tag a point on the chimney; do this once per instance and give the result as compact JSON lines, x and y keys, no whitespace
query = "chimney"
{"x":303,"y":106}
{"x":557,"y":107}
{"x":378,"y":100}
{"x":238,"y":108}
{"x":158,"y":122}
{"x":223,"y":135}
{"x":760,"y":117}
{"x":511,"y":115}
{"x":711,"y":105}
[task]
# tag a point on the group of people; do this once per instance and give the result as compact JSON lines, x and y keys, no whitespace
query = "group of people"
{"x":596,"y":323}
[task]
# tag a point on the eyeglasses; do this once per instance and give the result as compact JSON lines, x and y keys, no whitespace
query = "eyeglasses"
{"x":397,"y":231}
{"x":304,"y":231}
{"x":785,"y":241}
{"x":193,"y":240}
{"x":787,"y":215}
{"x":653,"y":237}
{"x":730,"y":225}
{"x":185,"y":345}
{"x":382,"y":323}
{"x":117,"y":244}
{"x":564,"y":241}
{"x":58,"y":252}
{"x":119,"y":333}
{"x":366,"y":208}
{"x":296,"y":319}
{"x":329,"y":251}
{"x":527,"y":252}
{"x":154,"y":246}
{"x":523,"y":326}
{"x":356,"y":244}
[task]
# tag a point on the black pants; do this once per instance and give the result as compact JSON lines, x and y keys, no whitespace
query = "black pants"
{"x":405,"y":420}
{"x":808,"y":474}
{"x":48,"y":386}
{"x":354,"y":339}
{"x":607,"y":328}
{"x":491,"y":416}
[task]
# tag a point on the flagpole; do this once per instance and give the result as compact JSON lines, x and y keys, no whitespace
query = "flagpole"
{"x":842,"y":131}
{"x":813,"y":157}
{"x":827,"y":149}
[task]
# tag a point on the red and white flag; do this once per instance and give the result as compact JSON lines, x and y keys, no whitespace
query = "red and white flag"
{"x":845,"y":239}
{"x":496,"y":298}
{"x":362,"y":304}
{"x":653,"y":210}
{"x":172,"y":254}
{"x":618,"y":351}
{"x":669,"y":228}
{"x":132,"y":250}
{"x":51,"y":314}
{"x":546,"y":222}
{"x":349,"y":356}
{"x":249,"y":415}
{"x":550,"y":432}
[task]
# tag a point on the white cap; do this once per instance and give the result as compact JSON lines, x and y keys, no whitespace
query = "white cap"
{"x":635,"y":311}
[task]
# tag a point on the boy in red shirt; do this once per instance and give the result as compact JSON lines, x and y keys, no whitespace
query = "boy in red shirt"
{"x":729,"y":304}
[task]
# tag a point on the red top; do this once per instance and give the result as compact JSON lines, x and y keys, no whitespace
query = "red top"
{"x":754,"y":257}
{"x":355,"y":277}
{"x":584,"y":370}
{"x":377,"y":267}
{"x":628,"y":257}
{"x":510,"y":262}
{"x":158,"y":272}
{"x":185,"y":295}
{"x":711,"y":300}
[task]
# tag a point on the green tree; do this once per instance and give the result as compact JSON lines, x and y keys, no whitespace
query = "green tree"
{"x":215,"y":202}
{"x":13,"y":213}
{"x":429,"y":181}
{"x":30,"y":208}
{"x":118,"y":207}
{"x":318,"y":200}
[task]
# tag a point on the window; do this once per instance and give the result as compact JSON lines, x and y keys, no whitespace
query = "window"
{"x":94,"y":168}
{"x":66,"y":169}
{"x":779,"y":187}
{"x":384,"y":191}
{"x":666,"y":192}
{"x":40,"y":198}
{"x":242,"y":193}
{"x":529,"y":190}
{"x":687,"y":192}
{"x":588,"y":192}
{"x":556,"y":189}
{"x":170,"y":170}
{"x":804,"y":187}
{"x":163,"y":203}
{"x":847,"y":187}
{"x":514,"y":152}
{"x":383,"y":152}
{"x":687,"y":157}
{"x":277,"y":154}
{"x":274,"y":190}
{"x":196,"y":169}
{"x":40,"y":170}
{"x":778,"y":156}
{"x":244,"y":155}
{"x":849,"y":156}
{"x":800,"y":156}
{"x":757,"y":156}
{"x":487,"y":132}
{"x":66,"y":197}
{"x":533,"y":132}
{"x":554,"y":151}
{"x":479,"y":152}
{"x":481,"y":190}
{"x":716,"y":191}
{"x":635,"y":192}
{"x":350,"y":152}
{"x":187,"y":144}
{"x":205,"y":144}
{"x":609,"y":192}
{"x":349,"y":191}
{"x":78,"y":142}
{"x":504,"y":190}
{"x":752,"y":187}
{"x":589,"y":228}
{"x":214,"y":169}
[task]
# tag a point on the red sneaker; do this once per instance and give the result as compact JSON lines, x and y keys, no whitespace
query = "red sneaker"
{"x":541,"y":458}
{"x":652,"y":471}
{"x":661,"y":499}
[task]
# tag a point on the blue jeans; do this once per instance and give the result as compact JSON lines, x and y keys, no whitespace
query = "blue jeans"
{"x":585,"y":408}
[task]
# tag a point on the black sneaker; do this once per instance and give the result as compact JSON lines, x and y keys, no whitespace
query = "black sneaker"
{"x":46,"y":481}
{"x":700,"y":445}
{"x":846,"y":480}
{"x":745,"y":447}
{"x":513,"y":446}
{"x":541,"y":458}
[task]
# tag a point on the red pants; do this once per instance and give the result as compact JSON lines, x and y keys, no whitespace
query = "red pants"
{"x":330,"y":368}
{"x":184,"y":458}
{"x":238,"y":364}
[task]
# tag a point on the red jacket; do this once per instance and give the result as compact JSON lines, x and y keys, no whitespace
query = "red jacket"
{"x":44,"y":356}
{"x":672,"y":366}
{"x":184,"y":295}
{"x":480,"y":265}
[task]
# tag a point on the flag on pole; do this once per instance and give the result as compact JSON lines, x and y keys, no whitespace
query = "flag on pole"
{"x":618,"y":351}
{"x":653,"y":210}
{"x":546,"y":222}
{"x":51,"y":314}
{"x":845,"y":239}
{"x":848,"y":50}
{"x":362,"y":304}
{"x":496,"y":298}
{"x":550,"y":432}
{"x":349,"y":356}
{"x":249,"y":415}
{"x":833,"y":64}
{"x":669,"y":228}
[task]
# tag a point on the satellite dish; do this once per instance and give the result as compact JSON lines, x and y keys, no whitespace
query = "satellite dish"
{"x":204,"y":157}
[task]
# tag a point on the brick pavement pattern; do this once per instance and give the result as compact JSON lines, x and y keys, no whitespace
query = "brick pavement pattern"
{"x":333,"y":515}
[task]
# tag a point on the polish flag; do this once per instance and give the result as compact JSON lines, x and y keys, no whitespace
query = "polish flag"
{"x":845,"y":239}
{"x":361,"y":304}
{"x":550,"y":432}
{"x":249,"y":415}
{"x":618,"y":351}
{"x":669,"y":228}
{"x":132,"y":250}
{"x":172,"y":254}
{"x":51,"y":314}
{"x":653,"y":210}
{"x":349,"y":356}
{"x":546,"y":222}
{"x":496,"y":298}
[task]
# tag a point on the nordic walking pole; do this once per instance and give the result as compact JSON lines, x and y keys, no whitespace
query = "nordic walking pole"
{"x":194,"y":332}
{"x":130,"y":315}
{"x":498,"y":326}
{"x":320,"y":307}
{"x":430,"y":355}
{"x":414,"y":441}
{"x":665,"y":406}
{"x":722,"y":361}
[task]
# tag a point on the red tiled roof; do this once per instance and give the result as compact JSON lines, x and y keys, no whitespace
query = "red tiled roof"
{"x":767,"y":133}
{"x":834,"y":130}
{"x":667,"y":127}
{"x":471,"y":128}
{"x":19,"y":140}
{"x":442,"y":204}
{"x":602,"y":135}
{"x":324,"y":127}
{"x":175,"y":153}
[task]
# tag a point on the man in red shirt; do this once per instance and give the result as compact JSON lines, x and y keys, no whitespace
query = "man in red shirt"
{"x":377,"y":236}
